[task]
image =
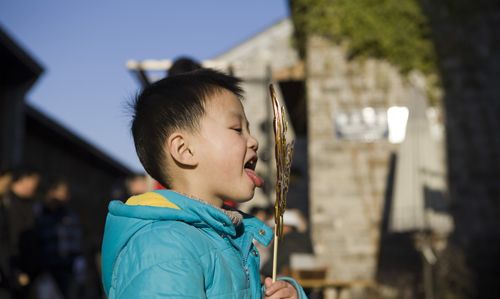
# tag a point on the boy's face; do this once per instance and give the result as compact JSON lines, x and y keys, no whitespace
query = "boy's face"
{"x":227,"y":152}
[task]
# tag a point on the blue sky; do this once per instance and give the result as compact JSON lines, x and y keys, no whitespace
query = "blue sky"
{"x":84,"y":45}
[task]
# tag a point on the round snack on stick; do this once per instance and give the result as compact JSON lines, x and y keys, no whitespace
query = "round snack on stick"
{"x":283,"y":152}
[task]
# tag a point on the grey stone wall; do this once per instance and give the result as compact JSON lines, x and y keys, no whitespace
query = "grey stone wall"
{"x":347,"y":178}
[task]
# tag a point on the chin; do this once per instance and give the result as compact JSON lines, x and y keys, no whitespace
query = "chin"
{"x":245,"y":198}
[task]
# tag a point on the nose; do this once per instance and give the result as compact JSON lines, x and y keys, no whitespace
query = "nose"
{"x":252,"y":143}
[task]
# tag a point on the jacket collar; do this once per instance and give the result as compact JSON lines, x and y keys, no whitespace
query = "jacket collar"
{"x":203,"y":213}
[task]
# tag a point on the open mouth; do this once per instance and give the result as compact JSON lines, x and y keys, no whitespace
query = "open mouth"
{"x":250,"y":170}
{"x":252,"y":163}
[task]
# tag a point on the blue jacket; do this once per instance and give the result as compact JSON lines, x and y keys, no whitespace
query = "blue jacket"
{"x":164,"y":245}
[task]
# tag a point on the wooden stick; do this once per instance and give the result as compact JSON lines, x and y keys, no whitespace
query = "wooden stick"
{"x":275,"y":252}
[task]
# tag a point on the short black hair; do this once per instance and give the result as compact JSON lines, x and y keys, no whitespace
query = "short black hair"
{"x":173,"y":103}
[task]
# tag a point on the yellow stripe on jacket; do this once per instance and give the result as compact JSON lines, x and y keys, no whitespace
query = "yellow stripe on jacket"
{"x":151,"y":199}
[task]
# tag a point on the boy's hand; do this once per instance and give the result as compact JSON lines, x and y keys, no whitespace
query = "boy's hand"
{"x":279,"y":289}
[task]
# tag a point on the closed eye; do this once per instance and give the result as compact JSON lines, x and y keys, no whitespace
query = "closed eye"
{"x":239,"y":130}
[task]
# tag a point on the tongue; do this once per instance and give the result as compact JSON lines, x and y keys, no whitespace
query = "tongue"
{"x":257,"y":181}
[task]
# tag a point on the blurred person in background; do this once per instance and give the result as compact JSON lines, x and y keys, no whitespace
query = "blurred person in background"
{"x":183,"y":65}
{"x":60,"y":237}
{"x":136,"y":184}
{"x":18,"y":236}
{"x":296,"y":239}
{"x":5,"y":180}
{"x":265,"y":214}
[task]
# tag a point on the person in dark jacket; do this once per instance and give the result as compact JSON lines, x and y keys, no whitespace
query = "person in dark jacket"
{"x":18,"y":231}
{"x":5,"y":180}
{"x":60,"y":237}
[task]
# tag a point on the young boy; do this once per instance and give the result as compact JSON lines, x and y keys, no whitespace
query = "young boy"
{"x":191,"y":135}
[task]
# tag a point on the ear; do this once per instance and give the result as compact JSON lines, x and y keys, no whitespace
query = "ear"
{"x":179,"y":149}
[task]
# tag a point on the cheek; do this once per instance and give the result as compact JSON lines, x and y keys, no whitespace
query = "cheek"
{"x":231,"y":154}
{"x":237,"y":148}
{"x":230,"y":144}
{"x":225,"y":151}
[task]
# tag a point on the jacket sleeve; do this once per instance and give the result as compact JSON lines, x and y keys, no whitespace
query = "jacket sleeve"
{"x":296,"y":285}
{"x":173,"y":279}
